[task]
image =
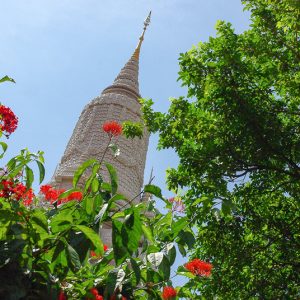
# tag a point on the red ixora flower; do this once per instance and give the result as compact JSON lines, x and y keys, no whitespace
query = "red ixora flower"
{"x":52,"y":194}
{"x":93,"y":253}
{"x":199,"y":267}
{"x":96,"y":295}
{"x":169,"y":293}
{"x":113,"y":128}
{"x":8,"y":120}
{"x":16,"y":191}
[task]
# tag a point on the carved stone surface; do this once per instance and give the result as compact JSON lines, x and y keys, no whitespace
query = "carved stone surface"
{"x":118,"y":102}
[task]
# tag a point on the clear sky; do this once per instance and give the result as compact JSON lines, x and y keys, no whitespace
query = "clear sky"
{"x":63,"y":53}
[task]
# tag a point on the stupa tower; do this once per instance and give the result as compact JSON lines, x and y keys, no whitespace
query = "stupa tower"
{"x":118,"y":102}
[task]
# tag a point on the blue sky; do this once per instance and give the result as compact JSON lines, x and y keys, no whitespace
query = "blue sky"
{"x":63,"y":53}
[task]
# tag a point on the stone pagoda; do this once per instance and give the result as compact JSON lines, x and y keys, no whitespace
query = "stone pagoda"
{"x":118,"y":102}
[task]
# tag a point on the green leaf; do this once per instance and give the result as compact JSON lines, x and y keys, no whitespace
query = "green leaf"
{"x":4,"y":148}
{"x":165,"y":268}
{"x":184,"y":272}
{"x":74,"y":257}
{"x":79,"y":172}
{"x":170,"y":251}
{"x":115,"y":198}
{"x":114,"y":280}
{"x":136,"y":269}
{"x":95,"y":185}
{"x":155,"y":258}
{"x":89,"y":205}
{"x":148,"y":233}
{"x":39,"y":221}
{"x":41,"y":170}
{"x":92,"y":177}
{"x":6,"y":78}
{"x":113,"y":178}
{"x":181,"y":249}
{"x":120,"y":252}
{"x":154,"y":190}
{"x":61,"y":221}
{"x":93,"y":237}
{"x":179,"y":225}
{"x":132,"y":231}
{"x":29,"y":177}
{"x":188,"y":238}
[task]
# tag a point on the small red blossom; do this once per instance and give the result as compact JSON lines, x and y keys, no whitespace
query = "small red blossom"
{"x":93,"y":253}
{"x":8,"y":120}
{"x":52,"y":194}
{"x":95,"y":294}
{"x":75,"y":196}
{"x":112,"y":128}
{"x":61,"y":296}
{"x":169,"y":293}
{"x":199,"y":267}
{"x":16,"y":191}
{"x":94,"y":291}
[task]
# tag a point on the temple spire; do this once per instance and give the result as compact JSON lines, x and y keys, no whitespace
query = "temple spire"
{"x":136,"y":52}
{"x":127,"y":79}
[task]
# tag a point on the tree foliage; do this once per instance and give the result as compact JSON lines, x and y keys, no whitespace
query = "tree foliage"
{"x":237,"y":136}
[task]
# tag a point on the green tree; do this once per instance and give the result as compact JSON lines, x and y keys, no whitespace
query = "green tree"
{"x":237,"y":136}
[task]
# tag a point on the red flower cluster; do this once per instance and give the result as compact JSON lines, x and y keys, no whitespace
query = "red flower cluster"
{"x":93,"y":253}
{"x":16,"y":191}
{"x":52,"y":194}
{"x":169,"y":293}
{"x":199,"y":267}
{"x":8,"y":120}
{"x":113,"y":128}
{"x":96,"y":295}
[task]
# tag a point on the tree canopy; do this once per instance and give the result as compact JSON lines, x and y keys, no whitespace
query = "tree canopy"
{"x":237,"y":137}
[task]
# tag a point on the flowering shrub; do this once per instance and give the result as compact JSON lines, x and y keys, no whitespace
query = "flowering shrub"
{"x":55,"y":251}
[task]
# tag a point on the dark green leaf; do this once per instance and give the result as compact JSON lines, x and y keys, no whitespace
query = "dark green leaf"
{"x":6,"y":78}
{"x":120,"y":252}
{"x":93,"y":237}
{"x":154,"y":190}
{"x":41,"y":170}
{"x":132,"y":231}
{"x":79,"y":172}
{"x":74,"y":257}
{"x":29,"y":177}
{"x":113,"y":178}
